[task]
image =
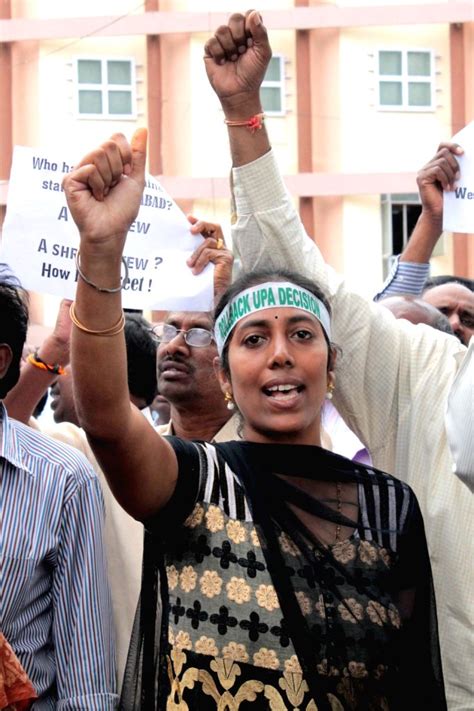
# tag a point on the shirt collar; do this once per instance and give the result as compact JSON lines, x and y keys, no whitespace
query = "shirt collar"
{"x":166,"y":430}
{"x":228,"y":432}
{"x":10,"y":447}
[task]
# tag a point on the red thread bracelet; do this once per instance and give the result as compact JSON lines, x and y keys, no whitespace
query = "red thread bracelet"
{"x":254,"y":123}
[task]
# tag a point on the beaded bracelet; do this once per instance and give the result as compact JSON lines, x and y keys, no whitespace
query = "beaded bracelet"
{"x":102,"y":288}
{"x":112,"y":331}
{"x":38,"y":362}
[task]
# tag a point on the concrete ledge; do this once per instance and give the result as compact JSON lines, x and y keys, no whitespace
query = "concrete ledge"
{"x":298,"y":18}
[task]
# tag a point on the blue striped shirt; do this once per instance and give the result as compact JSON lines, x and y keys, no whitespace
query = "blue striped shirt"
{"x":404,"y":278}
{"x":55,"y":605}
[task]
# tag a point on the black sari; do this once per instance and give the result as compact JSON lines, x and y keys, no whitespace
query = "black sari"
{"x":345,"y":626}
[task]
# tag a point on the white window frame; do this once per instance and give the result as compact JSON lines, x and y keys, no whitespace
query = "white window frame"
{"x":104,"y":87}
{"x":404,"y":78}
{"x":271,"y":84}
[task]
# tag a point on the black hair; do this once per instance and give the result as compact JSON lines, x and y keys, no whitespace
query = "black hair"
{"x":13,"y":324}
{"x":141,"y":357}
{"x":260,"y":276}
{"x":448,"y":279}
{"x":40,"y":405}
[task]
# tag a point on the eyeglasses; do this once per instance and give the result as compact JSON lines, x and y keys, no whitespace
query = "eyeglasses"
{"x":196,"y":337}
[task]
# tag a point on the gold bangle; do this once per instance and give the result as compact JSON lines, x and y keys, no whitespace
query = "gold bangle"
{"x":112,"y":331}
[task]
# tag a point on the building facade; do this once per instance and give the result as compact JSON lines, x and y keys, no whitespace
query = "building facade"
{"x":357,"y":100}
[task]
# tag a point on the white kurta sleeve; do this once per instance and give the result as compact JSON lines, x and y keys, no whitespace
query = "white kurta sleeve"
{"x":383,"y":362}
{"x":393,"y":380}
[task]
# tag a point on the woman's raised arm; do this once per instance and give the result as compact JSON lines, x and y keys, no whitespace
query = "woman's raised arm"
{"x":103,"y":194}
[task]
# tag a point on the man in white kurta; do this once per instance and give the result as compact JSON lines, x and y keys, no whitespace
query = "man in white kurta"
{"x":392,"y":385}
{"x":393,"y":379}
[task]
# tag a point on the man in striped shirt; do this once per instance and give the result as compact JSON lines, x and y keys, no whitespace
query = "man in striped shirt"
{"x":55,"y":605}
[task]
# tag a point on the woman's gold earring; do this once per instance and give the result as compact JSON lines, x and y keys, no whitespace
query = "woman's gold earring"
{"x":330,"y":391}
{"x":229,"y":401}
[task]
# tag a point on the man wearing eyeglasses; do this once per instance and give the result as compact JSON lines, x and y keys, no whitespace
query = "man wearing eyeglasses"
{"x":187,"y":350}
{"x":186,"y":379}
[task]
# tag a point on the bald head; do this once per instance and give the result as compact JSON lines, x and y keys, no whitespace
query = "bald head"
{"x":456,"y":302}
{"x":417,"y":311}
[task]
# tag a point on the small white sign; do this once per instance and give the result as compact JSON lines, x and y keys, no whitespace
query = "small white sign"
{"x":458,"y":205}
{"x":40,"y":240}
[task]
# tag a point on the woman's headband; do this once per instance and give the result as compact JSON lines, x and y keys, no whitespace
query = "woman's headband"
{"x":268,"y":296}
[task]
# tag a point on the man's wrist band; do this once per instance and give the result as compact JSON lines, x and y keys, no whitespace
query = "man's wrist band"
{"x":254,"y":123}
{"x":105,"y":289}
{"x":38,"y":362}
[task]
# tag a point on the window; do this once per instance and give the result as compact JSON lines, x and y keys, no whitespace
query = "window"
{"x":272,"y":91}
{"x":106,"y":88}
{"x":406,"y":80}
{"x":400,"y":212}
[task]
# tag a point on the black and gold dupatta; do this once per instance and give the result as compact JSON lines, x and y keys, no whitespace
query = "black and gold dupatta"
{"x":350,"y":600}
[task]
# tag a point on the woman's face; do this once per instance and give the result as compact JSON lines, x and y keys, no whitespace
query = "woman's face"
{"x":278,"y":361}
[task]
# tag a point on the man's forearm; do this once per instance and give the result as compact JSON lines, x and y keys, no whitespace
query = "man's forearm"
{"x":34,"y":382}
{"x":423,"y":240}
{"x":245,"y":145}
{"x":21,"y":401}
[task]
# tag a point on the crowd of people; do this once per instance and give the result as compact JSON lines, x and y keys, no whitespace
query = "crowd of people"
{"x":267,"y":506}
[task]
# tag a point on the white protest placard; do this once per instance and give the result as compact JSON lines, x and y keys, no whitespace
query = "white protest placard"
{"x":458,"y":205}
{"x":40,"y":240}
